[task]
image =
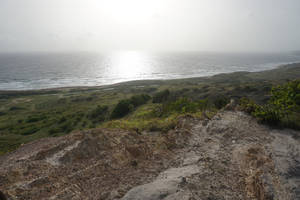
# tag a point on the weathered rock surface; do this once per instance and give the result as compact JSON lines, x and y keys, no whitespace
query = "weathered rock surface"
{"x":228,"y":157}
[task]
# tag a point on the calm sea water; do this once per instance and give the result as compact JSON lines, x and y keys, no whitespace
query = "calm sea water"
{"x":37,"y":71}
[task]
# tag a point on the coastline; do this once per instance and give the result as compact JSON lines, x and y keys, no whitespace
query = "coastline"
{"x":29,"y":115}
{"x":142,"y":81}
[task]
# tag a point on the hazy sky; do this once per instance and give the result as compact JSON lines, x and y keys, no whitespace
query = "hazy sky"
{"x":151,"y":25}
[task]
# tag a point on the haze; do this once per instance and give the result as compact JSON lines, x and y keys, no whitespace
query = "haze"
{"x":149,"y":25}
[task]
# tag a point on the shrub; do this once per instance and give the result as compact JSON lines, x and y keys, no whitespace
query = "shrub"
{"x":13,"y":108}
{"x":62,"y":119}
{"x":284,"y":99}
{"x":67,"y":127}
{"x":138,"y":100}
{"x":35,"y":118}
{"x":220,"y":102}
{"x":184,"y":105}
{"x":54,"y":130}
{"x":126,"y":105}
{"x":247,"y":105}
{"x":281,"y":109}
{"x":122,"y":109}
{"x":30,"y":130}
{"x":267,"y":114}
{"x":161,"y":96}
{"x":203,"y":104}
{"x":99,"y":113}
{"x":297,"y":99}
{"x":63,"y":128}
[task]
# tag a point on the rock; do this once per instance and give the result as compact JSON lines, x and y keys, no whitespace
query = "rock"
{"x":166,"y":184}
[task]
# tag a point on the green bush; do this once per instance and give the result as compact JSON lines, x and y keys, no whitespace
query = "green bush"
{"x":125,"y":106}
{"x":35,"y":118}
{"x":54,"y":130}
{"x":14,"y":108}
{"x":248,"y":105}
{"x":62,"y":119}
{"x":282,"y":108}
{"x":122,"y":108}
{"x":138,"y":100}
{"x":267,"y":114}
{"x":30,"y":130}
{"x":65,"y":127}
{"x":161,"y":96}
{"x":98,"y":114}
{"x":203,"y":104}
{"x":184,"y":105}
{"x":220,"y":102}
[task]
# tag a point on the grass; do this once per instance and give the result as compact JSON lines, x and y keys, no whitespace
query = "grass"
{"x":29,"y":115}
{"x":150,"y":118}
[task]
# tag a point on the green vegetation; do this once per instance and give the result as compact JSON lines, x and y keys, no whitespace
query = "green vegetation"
{"x":160,"y":117}
{"x":161,"y":96}
{"x":29,"y":115}
{"x":122,"y":109}
{"x":125,"y":106}
{"x":282,"y":109}
{"x":98,"y":114}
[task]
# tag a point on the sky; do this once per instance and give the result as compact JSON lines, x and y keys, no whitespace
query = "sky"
{"x":150,"y":25}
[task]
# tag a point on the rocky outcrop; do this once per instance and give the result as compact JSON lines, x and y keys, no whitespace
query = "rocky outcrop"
{"x":230,"y":156}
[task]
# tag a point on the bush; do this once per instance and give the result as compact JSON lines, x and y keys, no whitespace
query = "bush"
{"x":247,"y":105}
{"x":54,"y":130}
{"x":138,"y":100}
{"x":35,"y":118}
{"x":98,"y":114}
{"x":62,"y":119}
{"x":161,"y":96}
{"x":66,"y":127}
{"x":267,"y":114}
{"x":184,"y":105}
{"x":30,"y":130}
{"x":122,"y":109}
{"x":203,"y":104}
{"x":281,"y":109}
{"x":14,"y":108}
{"x":126,"y":105}
{"x":63,"y":128}
{"x":220,"y":102}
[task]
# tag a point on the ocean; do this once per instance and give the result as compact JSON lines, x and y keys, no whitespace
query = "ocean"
{"x":27,"y":71}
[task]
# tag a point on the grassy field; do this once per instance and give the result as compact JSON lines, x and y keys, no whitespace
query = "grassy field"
{"x":29,"y":115}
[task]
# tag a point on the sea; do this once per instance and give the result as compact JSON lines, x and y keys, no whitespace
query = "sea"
{"x":29,"y":71}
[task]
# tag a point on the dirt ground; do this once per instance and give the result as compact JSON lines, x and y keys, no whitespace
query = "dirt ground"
{"x":228,"y":157}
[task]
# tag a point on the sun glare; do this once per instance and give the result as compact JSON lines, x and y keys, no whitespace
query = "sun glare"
{"x":131,"y":11}
{"x":129,"y":65}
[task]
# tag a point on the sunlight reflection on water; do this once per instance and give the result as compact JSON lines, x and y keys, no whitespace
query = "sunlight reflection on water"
{"x":50,"y":70}
{"x":129,"y":65}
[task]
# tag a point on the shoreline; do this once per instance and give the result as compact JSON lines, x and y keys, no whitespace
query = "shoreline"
{"x":29,"y":115}
{"x":142,"y":81}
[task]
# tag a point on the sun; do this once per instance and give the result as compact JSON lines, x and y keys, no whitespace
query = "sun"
{"x":131,"y":11}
